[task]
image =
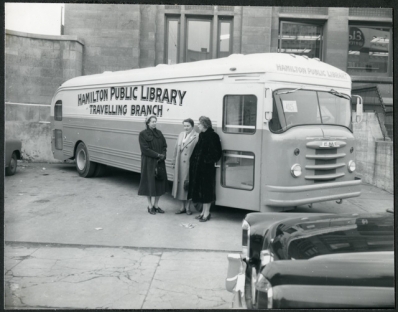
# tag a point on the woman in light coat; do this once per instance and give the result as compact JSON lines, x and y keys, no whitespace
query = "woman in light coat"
{"x":182,"y":152}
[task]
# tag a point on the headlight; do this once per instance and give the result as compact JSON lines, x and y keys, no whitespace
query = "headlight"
{"x":296,"y":170}
{"x":266,"y":257}
{"x":265,"y":286}
{"x":245,"y":238}
{"x":351,"y":166}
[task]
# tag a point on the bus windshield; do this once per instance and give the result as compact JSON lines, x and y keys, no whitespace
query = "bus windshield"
{"x":294,"y":107}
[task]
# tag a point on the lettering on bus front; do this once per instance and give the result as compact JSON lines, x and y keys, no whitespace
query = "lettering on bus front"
{"x":310,"y":71}
{"x":131,"y":93}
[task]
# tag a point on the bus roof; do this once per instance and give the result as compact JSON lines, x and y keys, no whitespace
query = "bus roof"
{"x":289,"y":66}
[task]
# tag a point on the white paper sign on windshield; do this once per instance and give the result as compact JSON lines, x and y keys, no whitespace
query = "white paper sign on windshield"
{"x":289,"y":106}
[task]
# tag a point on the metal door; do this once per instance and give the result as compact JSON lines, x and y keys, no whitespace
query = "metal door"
{"x":240,"y":128}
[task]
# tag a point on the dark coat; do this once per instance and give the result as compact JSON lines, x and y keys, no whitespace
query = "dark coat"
{"x":202,"y":173}
{"x":152,"y":143}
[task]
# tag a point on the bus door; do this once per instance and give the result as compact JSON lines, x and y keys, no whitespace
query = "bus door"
{"x":57,"y":130}
{"x":240,"y":130}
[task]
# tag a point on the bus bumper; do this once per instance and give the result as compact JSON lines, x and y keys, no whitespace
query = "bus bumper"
{"x":286,"y":196}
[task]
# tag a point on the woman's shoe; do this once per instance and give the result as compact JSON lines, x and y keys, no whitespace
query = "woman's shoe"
{"x":198,"y":217}
{"x":158,"y":210}
{"x":189,"y":212}
{"x":152,"y":210}
{"x":205,"y":219}
{"x":181,"y":211}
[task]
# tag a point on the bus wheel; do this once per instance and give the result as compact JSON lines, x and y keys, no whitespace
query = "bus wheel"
{"x":12,"y":166}
{"x":84,"y":166}
{"x":100,"y":170}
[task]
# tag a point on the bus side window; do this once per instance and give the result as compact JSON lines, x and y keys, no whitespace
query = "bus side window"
{"x":238,"y":170}
{"x":239,"y":114}
{"x":58,"y":110}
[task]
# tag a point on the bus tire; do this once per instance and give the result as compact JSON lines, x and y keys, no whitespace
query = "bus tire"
{"x":12,"y":166}
{"x":100,"y":170}
{"x":84,"y":166}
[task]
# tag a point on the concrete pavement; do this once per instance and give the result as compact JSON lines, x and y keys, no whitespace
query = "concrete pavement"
{"x":90,"y":243}
{"x":50,"y":203}
{"x":40,"y":276}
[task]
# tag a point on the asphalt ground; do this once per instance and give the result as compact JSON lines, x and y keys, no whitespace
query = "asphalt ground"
{"x":72,"y":242}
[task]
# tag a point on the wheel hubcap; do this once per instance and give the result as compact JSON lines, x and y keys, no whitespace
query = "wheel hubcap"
{"x":81,"y":159}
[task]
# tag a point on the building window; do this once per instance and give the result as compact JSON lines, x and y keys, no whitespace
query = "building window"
{"x":369,"y":50}
{"x":240,"y":114}
{"x":301,"y":39}
{"x":58,"y":110}
{"x":224,"y":37}
{"x":238,"y":170}
{"x":172,"y":36}
{"x":198,"y":43}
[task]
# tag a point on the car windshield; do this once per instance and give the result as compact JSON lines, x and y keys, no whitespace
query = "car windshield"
{"x":294,"y":107}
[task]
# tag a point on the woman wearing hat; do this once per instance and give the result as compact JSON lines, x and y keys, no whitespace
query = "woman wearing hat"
{"x":153,"y":153}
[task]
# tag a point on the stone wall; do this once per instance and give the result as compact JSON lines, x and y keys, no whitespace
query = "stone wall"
{"x":335,"y":38}
{"x":30,"y":123}
{"x":111,"y":33}
{"x":384,"y":173}
{"x":256,"y":29}
{"x":36,"y":65}
{"x":374,"y":157}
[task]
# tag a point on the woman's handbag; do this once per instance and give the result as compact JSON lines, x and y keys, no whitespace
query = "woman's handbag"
{"x":160,"y":171}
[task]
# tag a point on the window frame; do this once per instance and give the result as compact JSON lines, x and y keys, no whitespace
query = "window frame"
{"x":222,"y":175}
{"x":58,"y":104}
{"x":276,"y":109}
{"x":169,"y":18}
{"x":223,"y":114}
{"x":317,"y":23}
{"x":230,"y":21}
{"x":201,"y":18}
{"x":389,"y":72}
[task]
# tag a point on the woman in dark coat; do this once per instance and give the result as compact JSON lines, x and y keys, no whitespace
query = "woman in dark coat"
{"x":202,"y":170}
{"x":153,"y":150}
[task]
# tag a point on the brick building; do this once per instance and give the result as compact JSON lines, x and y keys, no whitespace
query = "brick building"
{"x":120,"y":36}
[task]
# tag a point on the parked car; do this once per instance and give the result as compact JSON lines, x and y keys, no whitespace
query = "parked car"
{"x":292,"y":260}
{"x":12,"y":154}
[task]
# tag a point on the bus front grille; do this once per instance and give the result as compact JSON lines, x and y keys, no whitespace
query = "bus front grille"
{"x":327,"y":160}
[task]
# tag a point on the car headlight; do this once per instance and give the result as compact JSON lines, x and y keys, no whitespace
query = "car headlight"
{"x":296,"y":170}
{"x":245,"y":239}
{"x":265,"y":286}
{"x":351,"y":166}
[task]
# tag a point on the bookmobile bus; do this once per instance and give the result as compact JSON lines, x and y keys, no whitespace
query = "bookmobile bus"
{"x":284,"y":122}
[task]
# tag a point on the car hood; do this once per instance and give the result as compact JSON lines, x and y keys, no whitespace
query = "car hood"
{"x":306,"y":238}
{"x":368,"y":269}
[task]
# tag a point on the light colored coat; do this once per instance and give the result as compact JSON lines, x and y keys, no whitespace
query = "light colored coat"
{"x":182,"y":153}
